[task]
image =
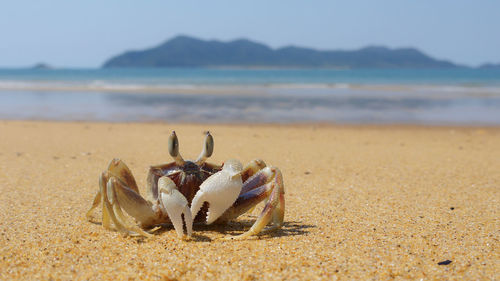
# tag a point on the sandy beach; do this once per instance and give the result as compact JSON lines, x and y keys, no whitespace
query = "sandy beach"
{"x":362,"y":202}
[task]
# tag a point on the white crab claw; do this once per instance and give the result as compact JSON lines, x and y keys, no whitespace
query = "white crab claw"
{"x":220,"y":190}
{"x":176,"y":205}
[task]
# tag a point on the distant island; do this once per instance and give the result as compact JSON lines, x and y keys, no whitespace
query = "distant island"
{"x":490,"y":66}
{"x":43,"y":66}
{"x":184,"y":51}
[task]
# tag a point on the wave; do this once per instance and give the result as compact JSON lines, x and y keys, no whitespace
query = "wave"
{"x":106,"y":86}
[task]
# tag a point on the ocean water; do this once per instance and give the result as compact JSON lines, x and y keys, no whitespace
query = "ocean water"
{"x":388,"y":96}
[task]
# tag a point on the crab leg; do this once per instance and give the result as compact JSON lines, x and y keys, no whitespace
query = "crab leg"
{"x":95,"y":204}
{"x":118,"y":169}
{"x":103,"y":179}
{"x":108,"y":214}
{"x":251,"y":169}
{"x":117,"y":190}
{"x":273,"y":211}
{"x":118,"y":196}
{"x":106,"y":220}
{"x":154,"y":174}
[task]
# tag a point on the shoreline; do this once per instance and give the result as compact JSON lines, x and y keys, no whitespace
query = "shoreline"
{"x":388,"y":90}
{"x":299,"y":125}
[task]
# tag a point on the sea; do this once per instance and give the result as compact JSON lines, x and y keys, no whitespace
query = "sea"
{"x":461,"y":96}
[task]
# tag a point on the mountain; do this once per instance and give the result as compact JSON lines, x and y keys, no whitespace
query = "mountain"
{"x":184,"y":51}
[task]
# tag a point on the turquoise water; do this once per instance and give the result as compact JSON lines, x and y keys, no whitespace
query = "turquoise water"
{"x":201,"y":76}
{"x":429,"y":97}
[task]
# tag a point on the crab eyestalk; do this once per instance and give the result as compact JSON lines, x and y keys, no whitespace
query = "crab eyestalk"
{"x":207,"y":150}
{"x":173,"y":149}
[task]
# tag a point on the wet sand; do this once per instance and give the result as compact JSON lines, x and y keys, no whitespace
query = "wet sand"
{"x":363,"y":202}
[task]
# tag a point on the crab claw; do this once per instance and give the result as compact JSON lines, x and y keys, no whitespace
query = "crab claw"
{"x":220,"y":190}
{"x":176,"y":205}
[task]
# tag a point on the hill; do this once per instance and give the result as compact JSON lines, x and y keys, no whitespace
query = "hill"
{"x":184,"y":51}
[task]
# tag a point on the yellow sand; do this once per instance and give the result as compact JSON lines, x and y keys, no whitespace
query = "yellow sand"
{"x":362,"y":203}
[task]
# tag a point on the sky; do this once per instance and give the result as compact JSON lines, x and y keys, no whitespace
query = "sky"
{"x":86,"y":33}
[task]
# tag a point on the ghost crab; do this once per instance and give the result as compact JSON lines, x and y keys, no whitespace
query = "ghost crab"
{"x":183,"y":192}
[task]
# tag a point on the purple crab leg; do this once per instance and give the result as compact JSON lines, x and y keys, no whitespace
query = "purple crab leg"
{"x":274,"y":209}
{"x":154,"y":174}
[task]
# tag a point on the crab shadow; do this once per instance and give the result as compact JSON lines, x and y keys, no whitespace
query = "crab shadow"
{"x":234,"y":228}
{"x":289,"y":228}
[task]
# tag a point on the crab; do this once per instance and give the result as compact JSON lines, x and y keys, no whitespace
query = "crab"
{"x":184,"y":192}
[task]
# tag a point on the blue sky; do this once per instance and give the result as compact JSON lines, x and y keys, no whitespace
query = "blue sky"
{"x":86,"y":33}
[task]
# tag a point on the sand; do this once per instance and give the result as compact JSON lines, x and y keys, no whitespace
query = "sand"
{"x":363,"y":202}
